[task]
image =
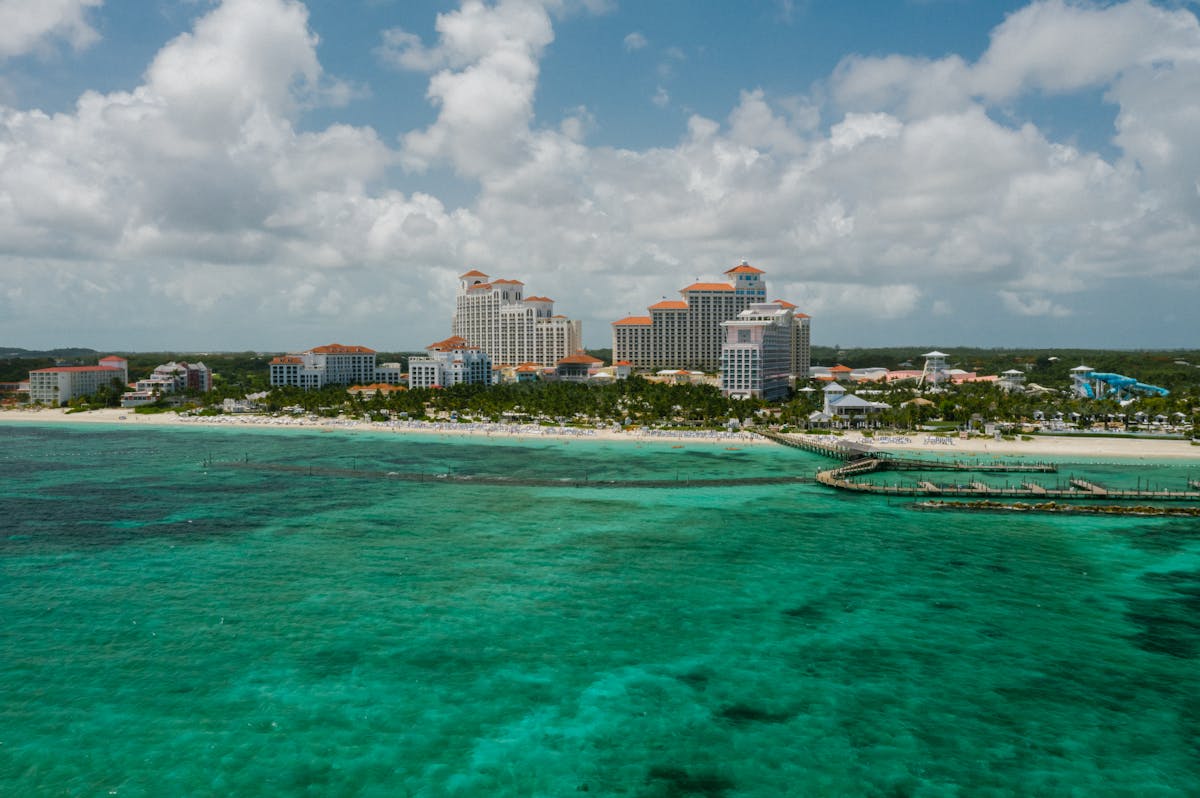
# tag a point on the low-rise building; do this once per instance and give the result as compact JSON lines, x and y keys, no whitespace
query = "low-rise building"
{"x":577,"y":367}
{"x":167,"y":380}
{"x":58,"y":385}
{"x":334,"y":364}
{"x":450,"y":362}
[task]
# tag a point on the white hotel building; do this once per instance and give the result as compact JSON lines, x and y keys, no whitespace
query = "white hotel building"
{"x":450,"y":362}
{"x":334,"y":364}
{"x":511,"y":328}
{"x":687,"y":333}
{"x":756,"y":358}
{"x":58,"y":385}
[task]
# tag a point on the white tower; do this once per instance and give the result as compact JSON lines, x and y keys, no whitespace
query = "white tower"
{"x":935,"y":368}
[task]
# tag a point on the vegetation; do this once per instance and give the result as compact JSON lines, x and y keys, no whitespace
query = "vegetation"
{"x":640,"y":402}
{"x":633,"y":401}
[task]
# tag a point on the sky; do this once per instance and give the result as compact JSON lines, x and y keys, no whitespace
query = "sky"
{"x":271,"y":175}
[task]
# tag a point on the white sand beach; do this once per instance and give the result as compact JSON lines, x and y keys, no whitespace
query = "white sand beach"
{"x":1061,"y":446}
{"x":123,"y":417}
{"x":1052,"y":446}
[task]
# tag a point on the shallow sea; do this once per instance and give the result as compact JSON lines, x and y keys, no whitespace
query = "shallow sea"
{"x":211,"y":612}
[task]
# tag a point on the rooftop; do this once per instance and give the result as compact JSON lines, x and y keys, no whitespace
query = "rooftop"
{"x":630,"y":321}
{"x":744,"y":268}
{"x":670,"y":304}
{"x":707,"y":287}
{"x":75,"y":369}
{"x":451,"y":343}
{"x":339,"y":349}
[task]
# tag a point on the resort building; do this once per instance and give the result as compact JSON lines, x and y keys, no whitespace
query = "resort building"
{"x":334,"y":364}
{"x":58,"y":385}
{"x":687,"y":333}
{"x":578,"y":367}
{"x":509,"y":327}
{"x":756,"y":358}
{"x":169,"y":378}
{"x":845,"y":409}
{"x":450,"y":362}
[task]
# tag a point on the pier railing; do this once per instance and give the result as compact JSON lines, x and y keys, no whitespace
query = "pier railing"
{"x":861,"y":461}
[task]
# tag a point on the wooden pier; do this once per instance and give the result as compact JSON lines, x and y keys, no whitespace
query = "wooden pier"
{"x":861,"y":461}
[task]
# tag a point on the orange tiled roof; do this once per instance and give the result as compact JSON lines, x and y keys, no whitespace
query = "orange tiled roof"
{"x":473,"y":273}
{"x":622,"y":363}
{"x":744,"y":268}
{"x":783,"y":303}
{"x":670,"y":304}
{"x":453,"y":342}
{"x":287,"y":359}
{"x":112,"y":358}
{"x":76,"y":369}
{"x":480,"y":287}
{"x":801,"y":316}
{"x":338,"y":349}
{"x":633,"y":320}
{"x":507,"y":282}
{"x":538,"y":299}
{"x":582,"y":358}
{"x":376,"y":386}
{"x":841,"y":369}
{"x":708,"y":287}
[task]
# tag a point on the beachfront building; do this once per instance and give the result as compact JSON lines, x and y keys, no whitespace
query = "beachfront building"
{"x":756,"y":357}
{"x":687,"y":333}
{"x":60,"y":384}
{"x":334,"y":364}
{"x":578,"y":367}
{"x":496,"y":316}
{"x":845,"y":409}
{"x":169,"y":378}
{"x":450,"y":362}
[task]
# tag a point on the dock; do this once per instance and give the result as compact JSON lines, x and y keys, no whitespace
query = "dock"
{"x":859,"y":461}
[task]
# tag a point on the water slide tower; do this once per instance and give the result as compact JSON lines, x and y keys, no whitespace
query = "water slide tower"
{"x":935,"y":368}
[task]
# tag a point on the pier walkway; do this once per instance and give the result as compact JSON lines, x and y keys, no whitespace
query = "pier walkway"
{"x":861,"y":461}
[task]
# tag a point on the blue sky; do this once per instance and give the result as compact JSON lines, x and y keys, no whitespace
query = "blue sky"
{"x":272,"y":175}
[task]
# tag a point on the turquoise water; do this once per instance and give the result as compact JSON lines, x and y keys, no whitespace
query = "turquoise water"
{"x":181,"y":616}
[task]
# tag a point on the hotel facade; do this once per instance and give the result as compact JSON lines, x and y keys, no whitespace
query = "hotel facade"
{"x":511,"y":328}
{"x":687,"y":333}
{"x":58,"y":385}
{"x":450,"y":362}
{"x":334,"y":364}
{"x":756,"y":357}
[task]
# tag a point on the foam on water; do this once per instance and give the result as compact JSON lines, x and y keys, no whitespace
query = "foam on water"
{"x":175,"y":627}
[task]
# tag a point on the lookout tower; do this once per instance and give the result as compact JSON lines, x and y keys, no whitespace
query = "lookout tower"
{"x":935,"y":368}
{"x":1082,"y":378}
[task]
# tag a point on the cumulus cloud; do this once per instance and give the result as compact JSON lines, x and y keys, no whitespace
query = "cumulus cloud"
{"x":635,"y":41}
{"x":892,"y":192}
{"x":27,"y":25}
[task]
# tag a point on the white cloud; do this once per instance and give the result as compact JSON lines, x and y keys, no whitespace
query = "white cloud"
{"x":26,"y":25}
{"x":1025,"y":305}
{"x":635,"y":41}
{"x":198,"y":192}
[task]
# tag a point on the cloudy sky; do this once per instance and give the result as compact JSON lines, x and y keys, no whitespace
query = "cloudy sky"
{"x":274,"y":175}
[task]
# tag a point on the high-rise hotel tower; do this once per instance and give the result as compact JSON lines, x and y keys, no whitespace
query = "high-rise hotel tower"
{"x":494,"y":316}
{"x":687,"y":333}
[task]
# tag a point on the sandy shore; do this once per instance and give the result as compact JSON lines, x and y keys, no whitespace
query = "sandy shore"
{"x":477,"y":430}
{"x":1043,"y":446}
{"x":1039,"y":446}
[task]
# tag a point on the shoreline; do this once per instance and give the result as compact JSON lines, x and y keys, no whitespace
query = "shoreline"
{"x":477,"y":430}
{"x":1053,"y":447}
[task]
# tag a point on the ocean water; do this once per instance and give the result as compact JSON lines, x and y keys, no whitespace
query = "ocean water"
{"x":211,"y":612}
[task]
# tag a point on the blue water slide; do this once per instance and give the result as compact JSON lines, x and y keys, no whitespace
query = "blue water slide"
{"x":1141,"y":386}
{"x":1119,"y":382}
